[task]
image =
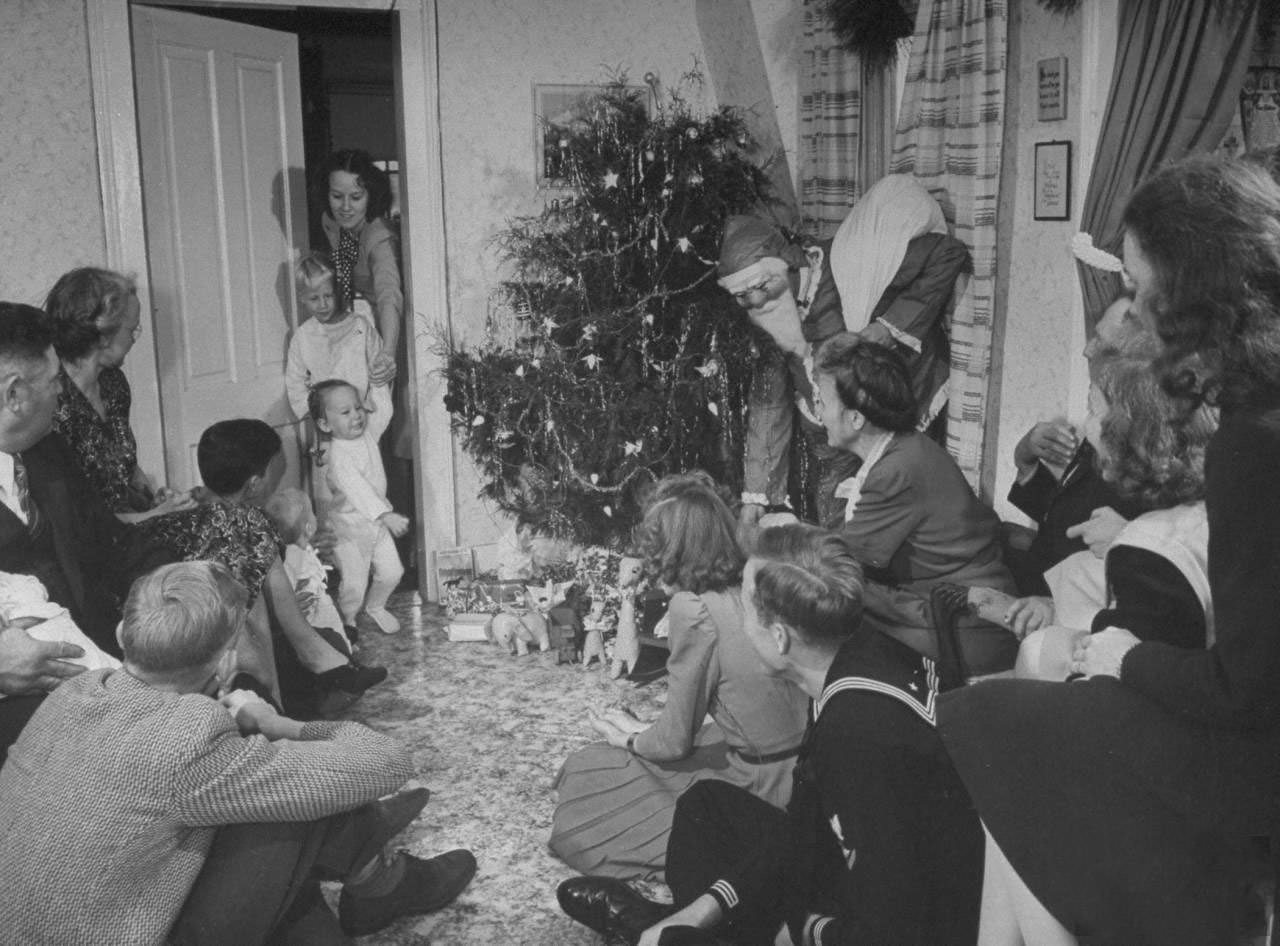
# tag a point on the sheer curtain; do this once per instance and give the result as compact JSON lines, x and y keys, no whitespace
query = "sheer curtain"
{"x":1180,"y":65}
{"x":949,"y":137}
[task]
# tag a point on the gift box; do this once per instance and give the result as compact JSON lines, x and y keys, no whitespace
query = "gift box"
{"x":473,"y":626}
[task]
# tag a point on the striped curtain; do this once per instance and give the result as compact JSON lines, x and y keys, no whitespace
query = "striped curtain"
{"x":949,"y":137}
{"x":830,"y":119}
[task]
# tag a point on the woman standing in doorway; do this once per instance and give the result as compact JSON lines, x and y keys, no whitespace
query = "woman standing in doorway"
{"x":364,"y":245}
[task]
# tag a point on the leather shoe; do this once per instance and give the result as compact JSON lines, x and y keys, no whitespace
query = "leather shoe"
{"x":426,"y":885}
{"x":609,"y":906}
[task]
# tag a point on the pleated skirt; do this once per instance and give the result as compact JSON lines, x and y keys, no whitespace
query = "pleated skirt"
{"x":614,"y":810}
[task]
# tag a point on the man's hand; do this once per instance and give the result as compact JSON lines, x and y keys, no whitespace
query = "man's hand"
{"x":28,"y":665}
{"x":1052,"y":442}
{"x":396,"y":524}
{"x":1099,"y":530}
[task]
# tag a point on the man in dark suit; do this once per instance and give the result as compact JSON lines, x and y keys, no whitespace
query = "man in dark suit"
{"x":53,"y":525}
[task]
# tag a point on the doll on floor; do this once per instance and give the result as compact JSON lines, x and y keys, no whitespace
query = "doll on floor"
{"x":25,"y":602}
{"x":291,"y":511}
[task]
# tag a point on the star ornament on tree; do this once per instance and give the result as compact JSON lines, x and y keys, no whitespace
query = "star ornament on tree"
{"x":611,"y":180}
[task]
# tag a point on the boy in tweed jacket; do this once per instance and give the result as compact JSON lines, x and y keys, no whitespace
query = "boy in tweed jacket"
{"x":148,"y":805}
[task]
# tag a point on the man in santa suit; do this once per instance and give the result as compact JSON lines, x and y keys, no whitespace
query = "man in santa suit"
{"x":889,"y":274}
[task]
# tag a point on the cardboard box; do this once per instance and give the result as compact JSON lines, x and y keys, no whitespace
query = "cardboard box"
{"x":469,"y":626}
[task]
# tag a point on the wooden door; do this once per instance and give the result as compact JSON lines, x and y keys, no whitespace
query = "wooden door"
{"x":220,"y":131}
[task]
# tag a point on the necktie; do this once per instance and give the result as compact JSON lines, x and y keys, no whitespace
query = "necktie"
{"x":23,"y":491}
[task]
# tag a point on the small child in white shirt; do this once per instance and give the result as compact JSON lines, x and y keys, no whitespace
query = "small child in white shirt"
{"x":24,"y":601}
{"x":290,"y":510}
{"x":357,"y":508}
{"x":334,"y":342}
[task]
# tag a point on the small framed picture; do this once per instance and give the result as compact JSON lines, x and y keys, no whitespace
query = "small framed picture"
{"x":454,"y":566}
{"x":556,"y":116}
{"x":1053,"y":181}
{"x":1051,"y":89}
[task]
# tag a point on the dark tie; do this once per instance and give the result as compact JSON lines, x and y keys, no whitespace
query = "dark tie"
{"x":23,"y":491}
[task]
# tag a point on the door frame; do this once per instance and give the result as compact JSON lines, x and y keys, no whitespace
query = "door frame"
{"x":422,"y":230}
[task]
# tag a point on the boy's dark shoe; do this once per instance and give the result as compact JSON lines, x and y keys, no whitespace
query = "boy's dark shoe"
{"x":426,"y":885}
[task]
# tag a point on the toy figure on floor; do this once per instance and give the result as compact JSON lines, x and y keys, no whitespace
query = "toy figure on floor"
{"x":888,"y":274}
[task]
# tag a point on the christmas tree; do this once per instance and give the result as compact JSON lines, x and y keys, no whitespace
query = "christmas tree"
{"x":614,"y":357}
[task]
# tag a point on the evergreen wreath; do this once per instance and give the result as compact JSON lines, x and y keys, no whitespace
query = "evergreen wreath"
{"x":611,"y":357}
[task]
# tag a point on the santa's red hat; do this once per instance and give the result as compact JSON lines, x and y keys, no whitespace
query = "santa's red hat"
{"x":746,"y":245}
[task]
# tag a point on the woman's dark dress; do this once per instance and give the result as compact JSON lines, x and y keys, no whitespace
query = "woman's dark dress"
{"x":1122,"y":803}
{"x":105,"y":448}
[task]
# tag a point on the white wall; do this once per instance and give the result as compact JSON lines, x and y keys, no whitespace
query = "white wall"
{"x":47,"y":149}
{"x":1042,"y":326}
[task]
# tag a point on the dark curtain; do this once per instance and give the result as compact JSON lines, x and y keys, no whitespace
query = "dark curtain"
{"x":1180,"y":65}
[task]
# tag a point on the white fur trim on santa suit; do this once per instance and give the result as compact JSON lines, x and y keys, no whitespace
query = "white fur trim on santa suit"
{"x":745,"y":279}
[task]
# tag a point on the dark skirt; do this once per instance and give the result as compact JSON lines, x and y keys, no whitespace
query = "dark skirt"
{"x":1127,"y":823}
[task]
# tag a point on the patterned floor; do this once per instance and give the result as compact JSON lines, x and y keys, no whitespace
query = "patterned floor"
{"x":489,"y":732}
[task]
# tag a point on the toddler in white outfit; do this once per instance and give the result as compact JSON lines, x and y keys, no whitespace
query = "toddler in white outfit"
{"x":334,"y":342}
{"x":357,"y":508}
{"x":24,"y":600}
{"x":290,"y":510}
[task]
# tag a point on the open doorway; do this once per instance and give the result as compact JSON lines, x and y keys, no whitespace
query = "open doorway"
{"x":423,"y":238}
{"x":325,"y":81}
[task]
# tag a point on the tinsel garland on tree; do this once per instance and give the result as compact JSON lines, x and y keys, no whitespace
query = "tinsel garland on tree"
{"x":613,"y":357}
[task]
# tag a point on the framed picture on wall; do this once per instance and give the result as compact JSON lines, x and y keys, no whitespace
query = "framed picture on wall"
{"x":1051,"y":89}
{"x":1260,"y":108}
{"x":555,"y":116}
{"x":1052,"y":181}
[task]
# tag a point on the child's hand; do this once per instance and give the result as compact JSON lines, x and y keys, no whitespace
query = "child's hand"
{"x":248,"y":710}
{"x":396,"y":524}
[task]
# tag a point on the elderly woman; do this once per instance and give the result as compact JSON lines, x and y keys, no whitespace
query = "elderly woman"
{"x":365,"y":252}
{"x":1149,"y":776}
{"x":617,"y":799}
{"x":96,"y":320}
{"x":909,"y":515}
{"x":888,"y":274}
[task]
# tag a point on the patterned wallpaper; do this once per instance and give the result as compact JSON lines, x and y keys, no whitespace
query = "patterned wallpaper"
{"x":47,"y":147}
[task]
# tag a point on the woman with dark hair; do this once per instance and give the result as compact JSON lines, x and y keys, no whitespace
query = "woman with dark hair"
{"x":96,"y":320}
{"x":910,"y":517}
{"x":616,"y":799}
{"x":1154,"y":579}
{"x":1117,"y":807}
{"x":365,"y":252}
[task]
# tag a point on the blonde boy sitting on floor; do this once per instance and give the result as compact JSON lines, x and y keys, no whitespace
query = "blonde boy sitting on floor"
{"x":145,"y":806}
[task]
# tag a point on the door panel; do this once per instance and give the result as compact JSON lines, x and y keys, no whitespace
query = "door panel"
{"x":220,"y":128}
